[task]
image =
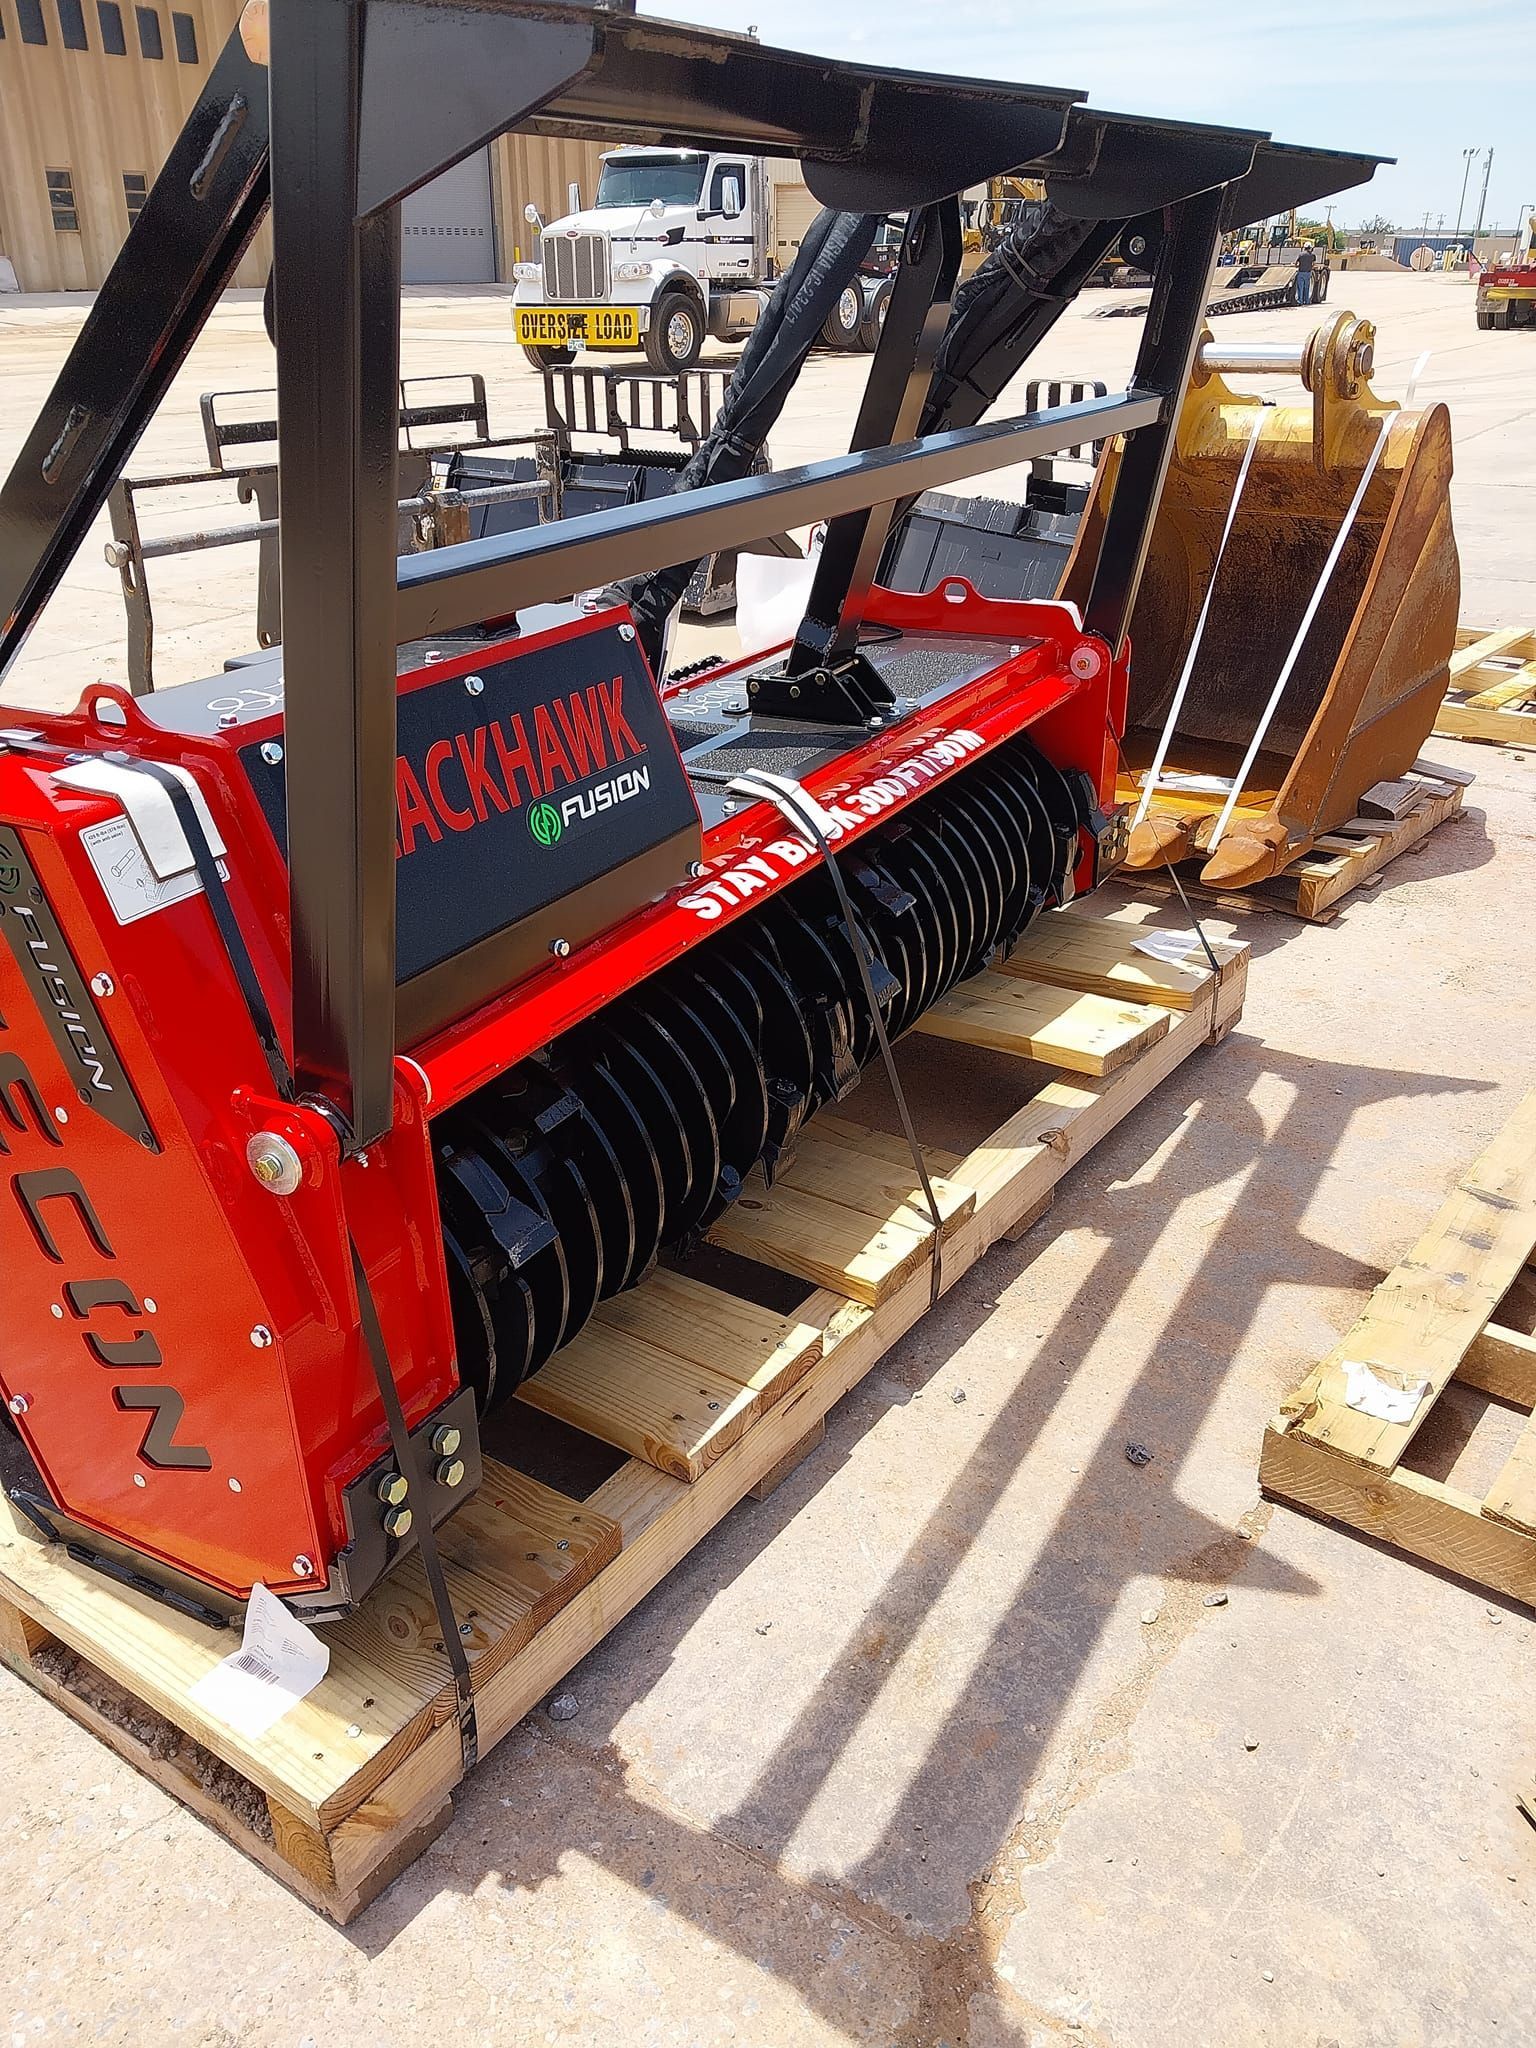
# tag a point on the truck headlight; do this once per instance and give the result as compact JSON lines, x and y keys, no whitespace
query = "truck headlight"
{"x":527,"y":273}
{"x":632,"y":273}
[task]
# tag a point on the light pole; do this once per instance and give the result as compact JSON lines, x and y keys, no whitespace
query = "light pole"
{"x":1483,"y":197}
{"x":1466,"y":171}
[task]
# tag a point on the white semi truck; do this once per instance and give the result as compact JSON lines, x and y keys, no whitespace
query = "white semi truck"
{"x":677,"y":245}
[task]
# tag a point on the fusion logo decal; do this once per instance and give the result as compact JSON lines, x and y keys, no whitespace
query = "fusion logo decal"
{"x":500,"y":765}
{"x":545,"y":823}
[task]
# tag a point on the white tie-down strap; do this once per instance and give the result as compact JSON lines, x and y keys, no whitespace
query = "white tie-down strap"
{"x":791,"y":799}
{"x":148,"y":808}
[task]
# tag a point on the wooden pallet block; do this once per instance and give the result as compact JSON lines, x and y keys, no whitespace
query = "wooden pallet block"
{"x":1097,"y":956}
{"x":848,"y":1213}
{"x":1084,"y":1034}
{"x":1432,"y":1318}
{"x":1339,"y":862}
{"x":349,"y":1786}
{"x":673,"y":1372}
{"x":1492,"y":689}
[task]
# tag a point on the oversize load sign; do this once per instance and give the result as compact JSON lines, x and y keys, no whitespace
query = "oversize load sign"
{"x":557,"y":770}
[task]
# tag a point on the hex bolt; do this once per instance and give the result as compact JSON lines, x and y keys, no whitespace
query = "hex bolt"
{"x":227,"y":719}
{"x":303,"y":1567}
{"x":261,"y":1337}
{"x":697,"y":871}
{"x":446,"y":1439}
{"x":118,"y":554}
{"x":271,"y":752}
{"x":103,"y":985}
{"x":392,"y":1489}
{"x":475,"y":685}
{"x":561,"y":948}
{"x":450,"y":1472}
{"x":397,"y":1522}
{"x":18,"y":1404}
{"x":275,"y":1163}
{"x":626,"y":632}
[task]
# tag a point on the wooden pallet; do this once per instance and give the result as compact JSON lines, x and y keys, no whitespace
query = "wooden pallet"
{"x":1492,"y":691}
{"x":1435,"y":1317}
{"x":1317,"y":881}
{"x":705,"y":1396}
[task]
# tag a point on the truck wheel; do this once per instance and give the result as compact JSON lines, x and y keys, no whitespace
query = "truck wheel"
{"x":549,"y":358}
{"x":1485,"y":317}
{"x":840,"y":329}
{"x":874,"y":318}
{"x":676,"y":333}
{"x":1501,"y":316}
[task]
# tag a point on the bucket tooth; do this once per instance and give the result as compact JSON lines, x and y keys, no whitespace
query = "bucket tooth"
{"x":1161,"y":839}
{"x":1250,"y":852}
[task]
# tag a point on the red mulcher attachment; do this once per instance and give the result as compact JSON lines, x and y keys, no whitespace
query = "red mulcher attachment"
{"x":366,"y":1018}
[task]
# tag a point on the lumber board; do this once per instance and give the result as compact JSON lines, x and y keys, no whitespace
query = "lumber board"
{"x":844,"y":1215}
{"x":673,"y":1372}
{"x":1463,"y":722}
{"x":1096,"y":956}
{"x":1389,"y":799}
{"x":1478,"y":650}
{"x":1083,"y":1034}
{"x":1511,"y":1499}
{"x":1502,"y":1363}
{"x":1437,"y":771}
{"x":1425,"y":1315}
{"x":1514,"y":689}
{"x":1405,"y":1509}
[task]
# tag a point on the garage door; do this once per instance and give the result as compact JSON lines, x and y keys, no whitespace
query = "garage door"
{"x":447,"y":227}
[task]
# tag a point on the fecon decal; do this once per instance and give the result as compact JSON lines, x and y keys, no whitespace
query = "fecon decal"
{"x":58,"y":988}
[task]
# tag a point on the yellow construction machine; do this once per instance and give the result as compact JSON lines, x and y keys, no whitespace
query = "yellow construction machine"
{"x":990,"y":211}
{"x":1292,"y":632}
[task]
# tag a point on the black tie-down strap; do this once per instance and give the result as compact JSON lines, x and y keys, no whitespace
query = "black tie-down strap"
{"x":800,"y":808}
{"x":401,"y":1442}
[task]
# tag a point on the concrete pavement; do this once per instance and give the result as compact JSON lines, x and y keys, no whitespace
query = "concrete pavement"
{"x":898,"y":1756}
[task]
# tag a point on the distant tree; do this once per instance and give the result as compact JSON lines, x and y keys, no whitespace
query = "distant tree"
{"x":1378,"y":224}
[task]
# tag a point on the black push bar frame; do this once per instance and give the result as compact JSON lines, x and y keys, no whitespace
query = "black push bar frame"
{"x":336,"y":110}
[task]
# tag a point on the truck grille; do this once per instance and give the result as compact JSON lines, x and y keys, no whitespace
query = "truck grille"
{"x":575,"y":267}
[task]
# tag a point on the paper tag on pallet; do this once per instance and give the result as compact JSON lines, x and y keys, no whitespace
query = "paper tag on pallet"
{"x":279,"y":1662}
{"x":1173,"y":947}
{"x":1366,"y":1390}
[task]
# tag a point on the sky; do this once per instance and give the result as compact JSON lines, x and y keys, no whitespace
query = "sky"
{"x":1404,"y":78}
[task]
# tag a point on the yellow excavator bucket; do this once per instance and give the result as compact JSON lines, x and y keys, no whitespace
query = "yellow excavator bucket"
{"x":1370,"y":669}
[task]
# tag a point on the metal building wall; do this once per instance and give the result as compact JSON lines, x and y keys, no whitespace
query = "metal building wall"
{"x":535,"y":168}
{"x":96,"y":116}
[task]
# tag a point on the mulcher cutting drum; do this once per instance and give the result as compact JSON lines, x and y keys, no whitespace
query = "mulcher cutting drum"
{"x":562,"y":1181}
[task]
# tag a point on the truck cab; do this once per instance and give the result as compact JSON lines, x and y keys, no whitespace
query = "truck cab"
{"x":674,"y":247}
